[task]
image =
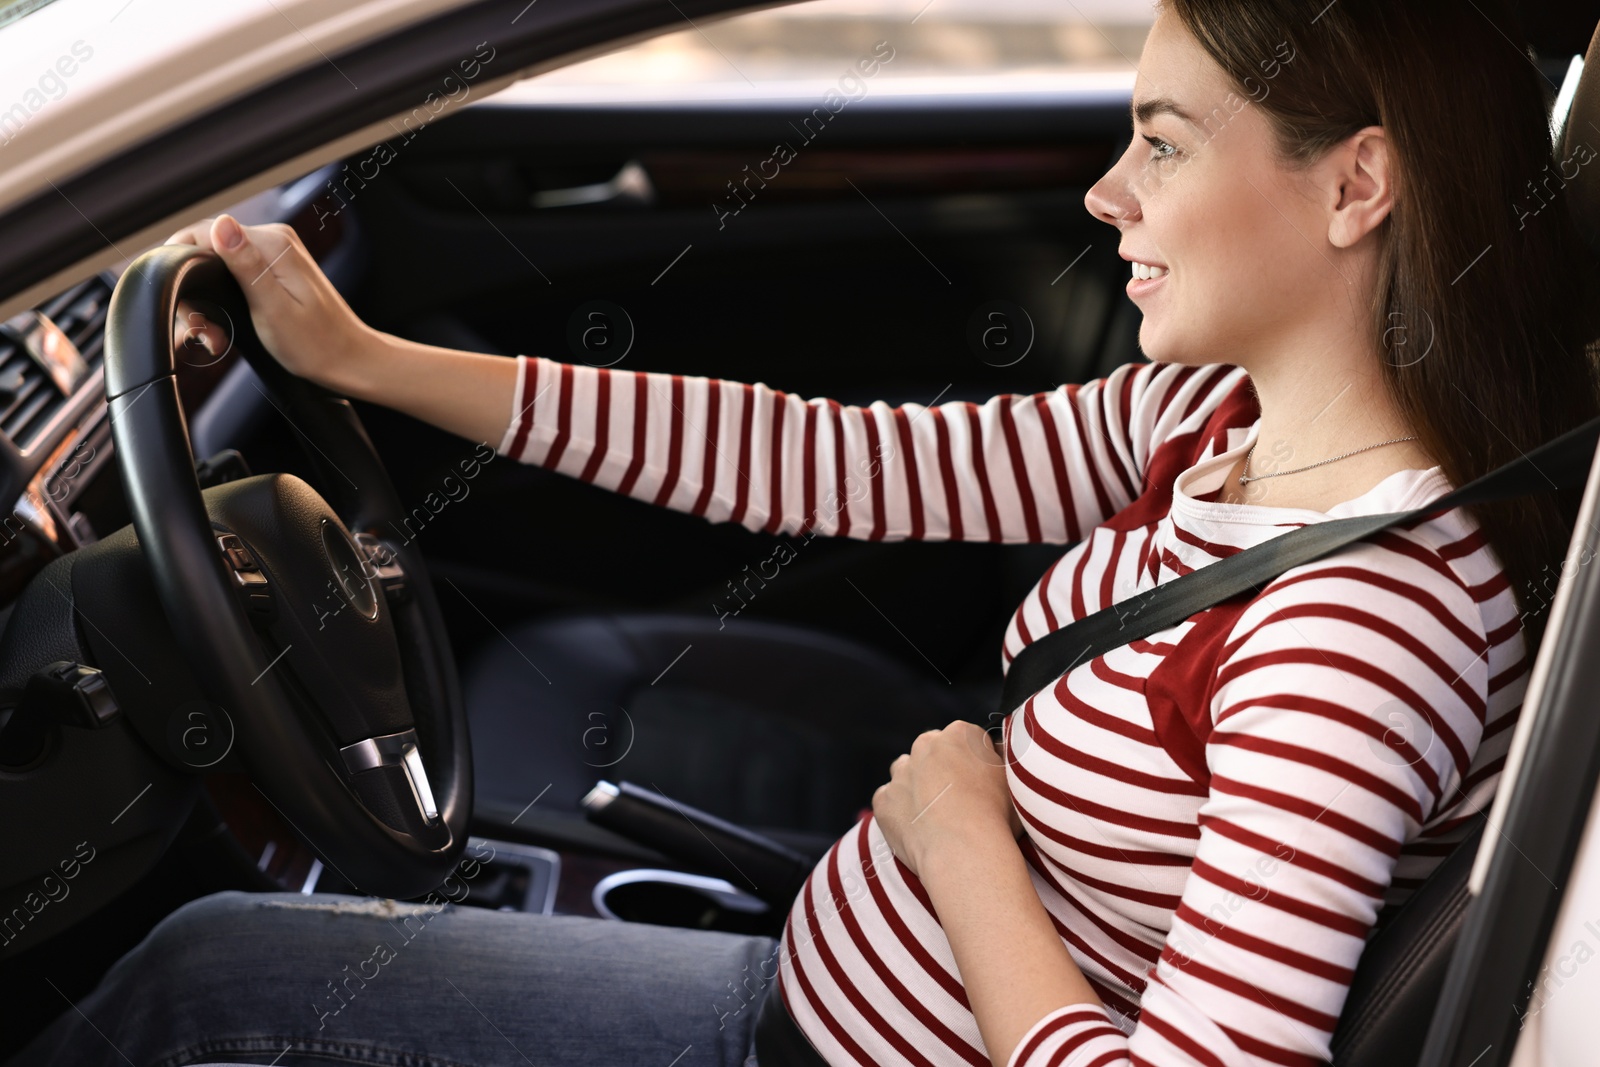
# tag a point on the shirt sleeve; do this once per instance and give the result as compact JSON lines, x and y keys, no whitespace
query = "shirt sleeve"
{"x":1039,"y":468}
{"x":1346,"y":709}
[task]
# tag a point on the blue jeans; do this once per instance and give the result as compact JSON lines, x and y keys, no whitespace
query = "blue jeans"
{"x":295,"y":980}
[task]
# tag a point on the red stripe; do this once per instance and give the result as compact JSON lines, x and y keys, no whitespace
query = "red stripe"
{"x":1507,"y":676}
{"x":1318,"y":813}
{"x":950,"y":983}
{"x":815,"y":1002}
{"x":1079,"y":757}
{"x":1022,"y":624}
{"x":1172,"y":386}
{"x":1058,"y":466}
{"x":1272,"y":950}
{"x":1464,"y":546}
{"x":746,"y":421}
{"x":1326,"y":917}
{"x":1183,"y":1041}
{"x":1019,"y":468}
{"x":1210,"y":548}
{"x":1090,"y":464}
{"x":1100,"y":850}
{"x":1382,"y":732}
{"x":1091,"y":810}
{"x":980,"y":471}
{"x":901,"y":994}
{"x":808,"y":476}
{"x":563,"y":420}
{"x":775,"y":519}
{"x":1127,"y":979}
{"x":1451,"y":674}
{"x":1085,"y":1013}
{"x":842,"y":985}
{"x":947,"y":474}
{"x":1332,"y":766}
{"x":1110,"y":403}
{"x":840,"y":489}
{"x":1044,"y":866}
{"x":641,"y":426}
{"x":1081,"y":709}
{"x":1365,"y":670}
{"x":1042,"y":590}
{"x":602,"y":426}
{"x":1414,"y":594}
{"x":708,"y":470}
{"x":1405,"y":546}
{"x":1193,"y":968}
{"x":530,"y":379}
{"x":1270,"y":1052}
{"x":1297,"y":857}
{"x":875,"y":475}
{"x":1109,"y":572}
{"x":908,"y":456}
{"x":669,"y":482}
{"x":1125,"y":402}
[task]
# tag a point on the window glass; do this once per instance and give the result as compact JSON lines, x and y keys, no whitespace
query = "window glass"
{"x":931,"y":42}
{"x":12,"y":10}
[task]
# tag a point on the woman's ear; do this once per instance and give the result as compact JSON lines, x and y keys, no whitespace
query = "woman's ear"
{"x":1357,"y":178}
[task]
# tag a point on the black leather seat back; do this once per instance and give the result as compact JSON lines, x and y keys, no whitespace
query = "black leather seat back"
{"x":1397,"y":982}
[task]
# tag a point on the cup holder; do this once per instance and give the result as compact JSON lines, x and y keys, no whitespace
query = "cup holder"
{"x":673,"y":898}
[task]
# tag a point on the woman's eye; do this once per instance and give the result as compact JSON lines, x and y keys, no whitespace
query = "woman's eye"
{"x":1162,"y":149}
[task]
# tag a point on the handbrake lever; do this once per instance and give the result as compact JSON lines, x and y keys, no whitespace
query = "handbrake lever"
{"x":772,"y":872}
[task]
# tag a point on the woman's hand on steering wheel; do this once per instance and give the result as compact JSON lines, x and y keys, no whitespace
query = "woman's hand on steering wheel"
{"x":299,"y":317}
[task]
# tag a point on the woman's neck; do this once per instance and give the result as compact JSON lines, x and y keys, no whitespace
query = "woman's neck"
{"x":1313,"y":411}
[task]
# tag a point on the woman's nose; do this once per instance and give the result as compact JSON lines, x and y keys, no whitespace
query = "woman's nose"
{"x":1111,"y":199}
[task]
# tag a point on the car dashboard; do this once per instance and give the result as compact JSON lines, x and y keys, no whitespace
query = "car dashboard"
{"x":55,"y":433}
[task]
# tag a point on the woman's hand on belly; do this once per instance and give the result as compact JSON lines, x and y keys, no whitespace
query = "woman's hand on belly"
{"x":949,"y":790}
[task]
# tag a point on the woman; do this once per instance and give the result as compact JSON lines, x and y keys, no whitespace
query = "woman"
{"x":1181,"y":851}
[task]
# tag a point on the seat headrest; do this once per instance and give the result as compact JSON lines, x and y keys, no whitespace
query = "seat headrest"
{"x":1580,"y":145}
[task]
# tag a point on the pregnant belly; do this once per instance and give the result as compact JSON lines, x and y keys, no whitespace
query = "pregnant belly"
{"x":865,"y":968}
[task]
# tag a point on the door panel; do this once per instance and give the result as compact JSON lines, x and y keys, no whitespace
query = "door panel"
{"x":854,"y":273}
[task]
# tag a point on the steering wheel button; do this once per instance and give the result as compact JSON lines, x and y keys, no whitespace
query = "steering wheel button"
{"x":238,"y":555}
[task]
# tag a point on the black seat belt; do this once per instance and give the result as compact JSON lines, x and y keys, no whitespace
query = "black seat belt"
{"x":1562,"y":463}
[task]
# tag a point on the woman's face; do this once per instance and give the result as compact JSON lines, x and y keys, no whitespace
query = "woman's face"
{"x":1239,"y":240}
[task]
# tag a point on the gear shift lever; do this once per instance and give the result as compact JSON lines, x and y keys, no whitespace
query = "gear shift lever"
{"x":767,"y":869}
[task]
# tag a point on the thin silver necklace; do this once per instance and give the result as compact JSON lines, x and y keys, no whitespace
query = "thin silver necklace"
{"x":1244,"y":478}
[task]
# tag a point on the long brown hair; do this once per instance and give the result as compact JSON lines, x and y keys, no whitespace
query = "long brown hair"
{"x":1478,"y":309}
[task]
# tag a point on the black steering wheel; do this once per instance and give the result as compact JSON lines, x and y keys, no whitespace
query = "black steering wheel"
{"x":303,"y":618}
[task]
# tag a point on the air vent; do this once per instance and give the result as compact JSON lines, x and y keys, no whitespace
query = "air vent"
{"x":29,"y":398}
{"x":81,"y":314}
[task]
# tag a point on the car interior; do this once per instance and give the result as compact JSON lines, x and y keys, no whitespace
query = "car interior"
{"x":584,"y":637}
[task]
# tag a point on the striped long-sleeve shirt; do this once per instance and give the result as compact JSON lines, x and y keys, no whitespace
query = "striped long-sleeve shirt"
{"x":1214,"y":815}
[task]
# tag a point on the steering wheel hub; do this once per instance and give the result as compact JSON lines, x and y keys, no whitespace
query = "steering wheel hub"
{"x":350,"y":571}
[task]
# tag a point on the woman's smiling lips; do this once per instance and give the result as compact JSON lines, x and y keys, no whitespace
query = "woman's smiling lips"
{"x":1147,"y":275}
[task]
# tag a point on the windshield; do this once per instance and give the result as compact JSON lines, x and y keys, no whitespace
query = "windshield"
{"x":12,"y":10}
